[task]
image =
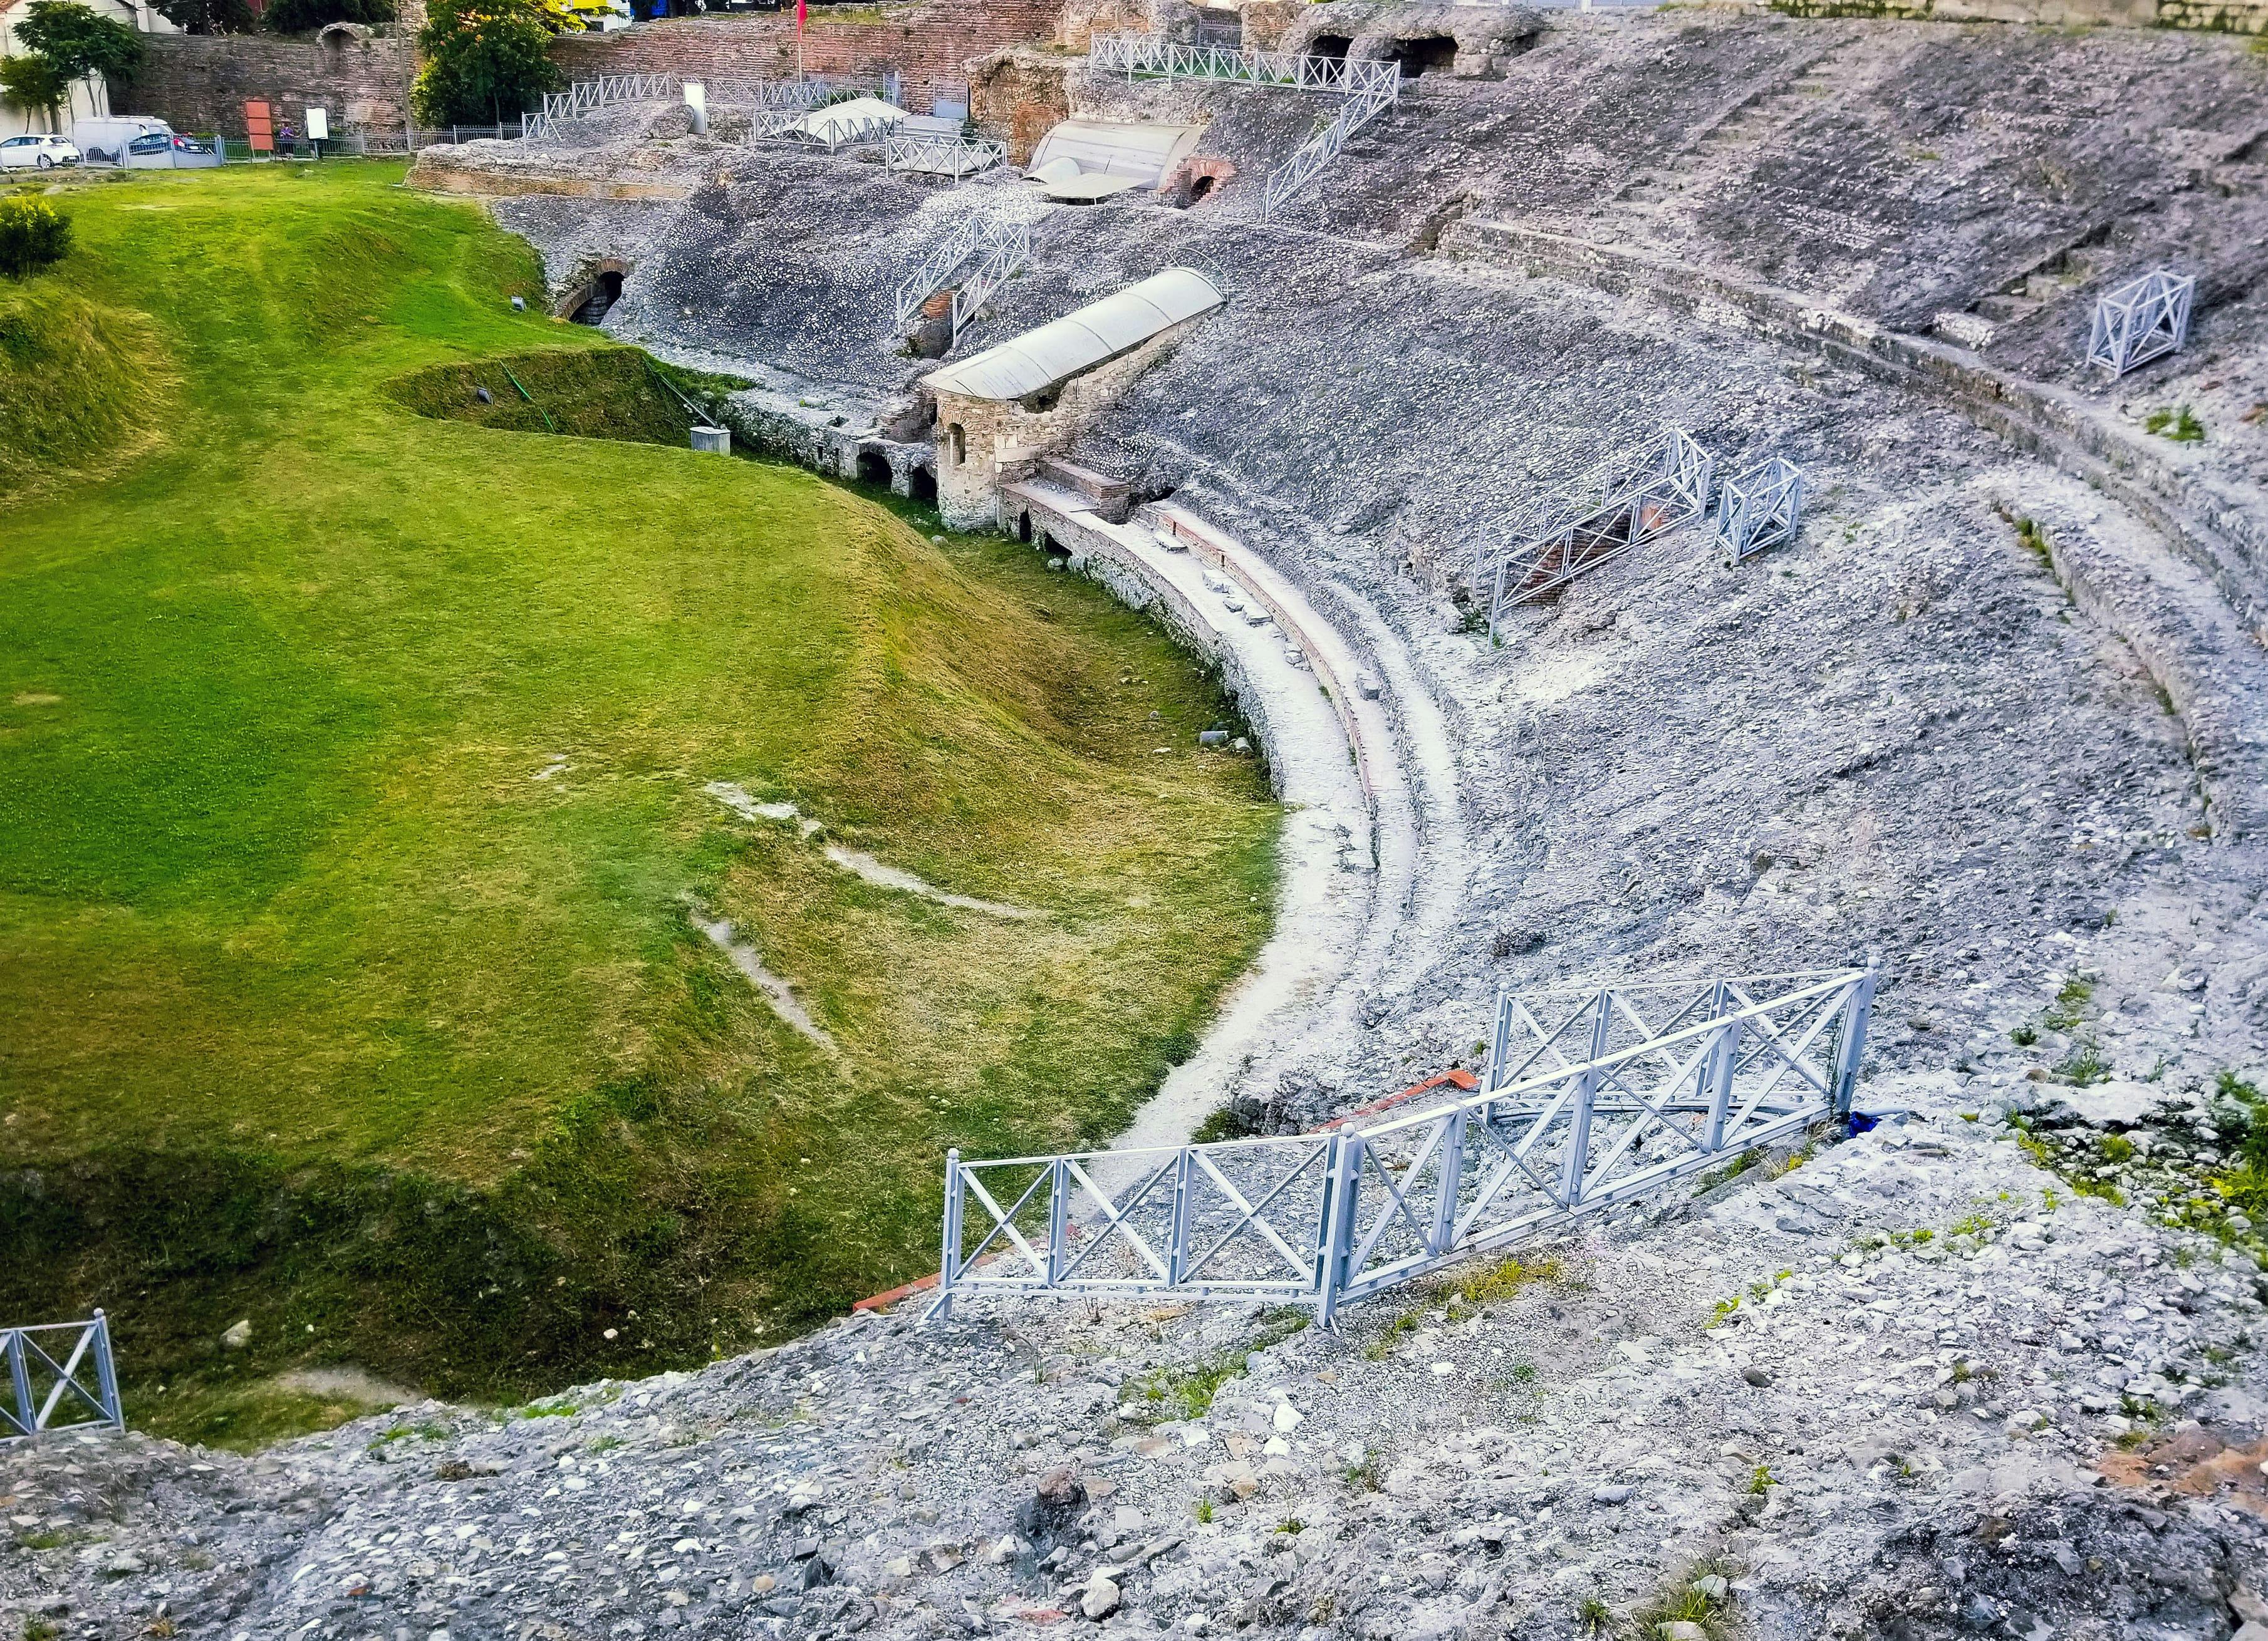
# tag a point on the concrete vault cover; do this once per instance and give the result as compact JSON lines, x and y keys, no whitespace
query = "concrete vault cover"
{"x":1081,"y":339}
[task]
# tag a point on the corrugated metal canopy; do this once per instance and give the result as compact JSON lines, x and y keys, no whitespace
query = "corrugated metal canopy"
{"x":1081,"y":340}
{"x":1143,"y":151}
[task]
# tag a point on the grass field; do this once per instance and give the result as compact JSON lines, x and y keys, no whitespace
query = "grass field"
{"x":352,"y":813}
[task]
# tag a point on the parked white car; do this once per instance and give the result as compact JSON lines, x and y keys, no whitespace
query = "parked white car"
{"x":41,"y":152}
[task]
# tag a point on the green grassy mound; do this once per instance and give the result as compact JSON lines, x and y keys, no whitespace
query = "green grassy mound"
{"x":83,"y":387}
{"x":586,"y":393}
{"x":353,"y":817}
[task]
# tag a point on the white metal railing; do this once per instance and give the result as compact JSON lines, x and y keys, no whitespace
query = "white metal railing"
{"x":58,"y":1375}
{"x":1361,"y":107}
{"x":937,"y":154}
{"x":1761,"y":508}
{"x":588,"y":96}
{"x":1152,"y":56}
{"x":777,"y":126}
{"x":1007,"y":248}
{"x":998,"y":248}
{"x":815,"y":92}
{"x":1622,"y":504}
{"x":1371,"y":88}
{"x":942,"y":262}
{"x":2141,"y":320}
{"x":1591,"y":1099}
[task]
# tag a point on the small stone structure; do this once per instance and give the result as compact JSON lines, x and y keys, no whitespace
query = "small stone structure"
{"x":1000,"y":412}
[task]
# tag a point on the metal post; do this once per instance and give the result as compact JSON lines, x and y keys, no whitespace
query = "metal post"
{"x":1724,"y":1059}
{"x":1058,"y":1218}
{"x":1571,"y":1167}
{"x":1343,"y":1168}
{"x":1449,"y":1169}
{"x":1851,"y":1045}
{"x":107,"y":1372}
{"x":1177,"y":1255}
{"x":948,"y":1271}
{"x":19,"y":1379}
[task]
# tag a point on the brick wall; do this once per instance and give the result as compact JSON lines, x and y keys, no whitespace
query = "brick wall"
{"x":201,"y":82}
{"x":928,"y":44}
{"x":1019,"y":95}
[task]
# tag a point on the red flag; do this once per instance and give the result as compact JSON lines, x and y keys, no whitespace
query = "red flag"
{"x":802,"y":10}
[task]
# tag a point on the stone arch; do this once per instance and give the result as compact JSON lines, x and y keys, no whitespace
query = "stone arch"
{"x":593,"y":291}
{"x":873,"y":467}
{"x":1420,"y":55}
{"x":921,"y":484}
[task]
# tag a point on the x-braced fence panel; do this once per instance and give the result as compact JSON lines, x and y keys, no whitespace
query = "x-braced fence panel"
{"x":1370,"y":88}
{"x":1152,"y":56}
{"x":1623,"y":504}
{"x":998,"y":248}
{"x":955,"y":157}
{"x":56,"y":1376}
{"x":1592,"y":1098}
{"x":2143,"y":320}
{"x":805,"y":94}
{"x":1760,"y":507}
{"x":1316,"y":153}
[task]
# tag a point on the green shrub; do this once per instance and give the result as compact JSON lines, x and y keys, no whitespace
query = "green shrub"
{"x":34,"y":234}
{"x":485,"y":60}
{"x":305,"y":17}
{"x":33,"y":83}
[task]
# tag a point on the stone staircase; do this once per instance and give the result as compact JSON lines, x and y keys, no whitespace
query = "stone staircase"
{"x":1725,"y":153}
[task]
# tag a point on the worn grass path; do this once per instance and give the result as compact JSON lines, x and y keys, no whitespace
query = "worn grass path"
{"x":351,"y":770}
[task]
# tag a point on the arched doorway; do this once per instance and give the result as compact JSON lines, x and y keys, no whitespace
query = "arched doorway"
{"x":606,"y":291}
{"x":1424,"y":54}
{"x":873,"y":468}
{"x":921,"y":484}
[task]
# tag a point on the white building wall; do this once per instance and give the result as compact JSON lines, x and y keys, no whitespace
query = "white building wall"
{"x":89,"y":98}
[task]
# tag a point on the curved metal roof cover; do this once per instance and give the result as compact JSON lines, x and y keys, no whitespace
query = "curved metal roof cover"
{"x":1084,"y":188}
{"x":1143,"y":151}
{"x":1082,"y":339}
{"x":838,"y":122}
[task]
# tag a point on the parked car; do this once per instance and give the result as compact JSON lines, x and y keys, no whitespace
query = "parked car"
{"x":158,"y":142}
{"x":42,"y":152}
{"x":102,"y":141}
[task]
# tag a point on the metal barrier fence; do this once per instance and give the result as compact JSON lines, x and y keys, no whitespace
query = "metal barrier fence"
{"x":1371,"y":88}
{"x":1622,"y":504}
{"x":40,"y":1392}
{"x":1761,"y":508}
{"x":1592,"y":1098}
{"x":1152,"y":56}
{"x":1361,"y":107}
{"x":1007,"y":248}
{"x":588,"y":96}
{"x":777,"y":127}
{"x":999,"y":249}
{"x":955,"y":157}
{"x":815,"y":92}
{"x":2143,"y":320}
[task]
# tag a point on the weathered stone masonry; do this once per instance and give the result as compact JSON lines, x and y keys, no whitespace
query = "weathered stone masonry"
{"x":929,"y":47}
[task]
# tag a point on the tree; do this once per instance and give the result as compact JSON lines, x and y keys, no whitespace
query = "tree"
{"x":485,"y":60}
{"x":77,"y":42}
{"x":32,"y":234}
{"x":33,"y":83}
{"x":304,"y":17}
{"x":210,"y":17}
